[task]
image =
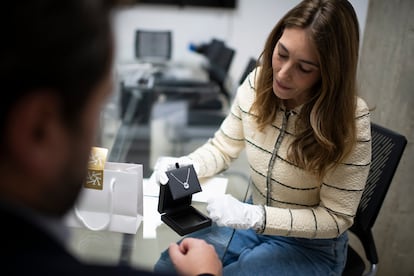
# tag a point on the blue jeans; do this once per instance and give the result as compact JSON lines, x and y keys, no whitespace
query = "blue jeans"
{"x":243,"y":252}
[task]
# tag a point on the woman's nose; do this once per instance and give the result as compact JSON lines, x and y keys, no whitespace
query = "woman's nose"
{"x":285,"y":72}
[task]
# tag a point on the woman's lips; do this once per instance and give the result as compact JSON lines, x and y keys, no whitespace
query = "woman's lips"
{"x":281,"y":85}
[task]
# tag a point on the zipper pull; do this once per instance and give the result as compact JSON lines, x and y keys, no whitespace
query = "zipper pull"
{"x":288,"y":113}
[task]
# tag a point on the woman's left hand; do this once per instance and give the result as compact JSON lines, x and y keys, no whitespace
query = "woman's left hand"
{"x":225,"y":210}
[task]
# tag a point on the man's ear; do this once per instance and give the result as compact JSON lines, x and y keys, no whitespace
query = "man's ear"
{"x":35,"y":134}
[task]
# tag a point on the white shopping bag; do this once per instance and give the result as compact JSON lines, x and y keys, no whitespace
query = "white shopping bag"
{"x":117,"y":205}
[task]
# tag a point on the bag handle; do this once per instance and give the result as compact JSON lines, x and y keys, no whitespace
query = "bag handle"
{"x":111,"y":210}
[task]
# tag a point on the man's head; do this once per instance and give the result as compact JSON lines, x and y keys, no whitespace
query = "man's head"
{"x":55,"y":68}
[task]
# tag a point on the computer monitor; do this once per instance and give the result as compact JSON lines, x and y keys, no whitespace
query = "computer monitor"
{"x":153,"y":46}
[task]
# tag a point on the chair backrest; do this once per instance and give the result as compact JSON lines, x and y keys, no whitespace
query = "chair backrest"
{"x":219,"y":57}
{"x":251,"y":64}
{"x":387,"y":149}
{"x":153,"y":46}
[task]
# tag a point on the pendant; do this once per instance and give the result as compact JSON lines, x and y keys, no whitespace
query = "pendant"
{"x":186,"y":185}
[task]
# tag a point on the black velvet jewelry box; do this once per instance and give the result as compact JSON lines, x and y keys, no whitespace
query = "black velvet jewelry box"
{"x":175,"y":201}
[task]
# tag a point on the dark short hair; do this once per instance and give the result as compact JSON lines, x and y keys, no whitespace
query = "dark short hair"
{"x":64,"y":46}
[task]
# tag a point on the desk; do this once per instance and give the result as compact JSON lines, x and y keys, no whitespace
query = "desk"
{"x":141,"y":249}
{"x":142,"y":84}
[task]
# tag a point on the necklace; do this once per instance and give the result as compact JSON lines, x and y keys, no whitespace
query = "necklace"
{"x":185,"y":183}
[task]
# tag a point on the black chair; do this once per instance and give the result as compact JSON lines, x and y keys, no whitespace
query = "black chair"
{"x":387,"y":149}
{"x":212,"y":117}
{"x":202,"y":123}
{"x":251,"y":64}
{"x":219,"y":58}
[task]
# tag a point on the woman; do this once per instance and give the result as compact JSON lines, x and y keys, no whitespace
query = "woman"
{"x":307,"y":140}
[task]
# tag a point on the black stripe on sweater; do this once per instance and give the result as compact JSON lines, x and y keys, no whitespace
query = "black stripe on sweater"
{"x":334,"y":219}
{"x":231,"y":138}
{"x":292,"y":164}
{"x":338,"y":213}
{"x":316,"y":223}
{"x":282,"y":184}
{"x":284,"y":202}
{"x":342,"y":189}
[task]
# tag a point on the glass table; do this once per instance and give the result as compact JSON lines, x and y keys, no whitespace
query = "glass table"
{"x":153,"y":236}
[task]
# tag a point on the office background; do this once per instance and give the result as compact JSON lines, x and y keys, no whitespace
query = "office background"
{"x":385,"y":75}
{"x":244,"y":28}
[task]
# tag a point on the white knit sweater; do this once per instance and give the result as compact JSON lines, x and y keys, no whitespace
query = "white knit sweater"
{"x":296,"y":203}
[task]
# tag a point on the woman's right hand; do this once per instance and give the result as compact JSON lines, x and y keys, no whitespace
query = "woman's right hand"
{"x":167,"y":163}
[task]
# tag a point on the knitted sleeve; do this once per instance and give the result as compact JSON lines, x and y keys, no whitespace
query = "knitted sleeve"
{"x":218,"y":152}
{"x":340,"y":194}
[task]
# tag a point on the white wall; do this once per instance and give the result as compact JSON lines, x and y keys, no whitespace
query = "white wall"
{"x":244,"y":29}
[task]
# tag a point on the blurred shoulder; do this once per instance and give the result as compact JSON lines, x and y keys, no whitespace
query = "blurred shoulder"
{"x":247,"y":90}
{"x":363,"y":120}
{"x":362,"y":108}
{"x":250,"y":80}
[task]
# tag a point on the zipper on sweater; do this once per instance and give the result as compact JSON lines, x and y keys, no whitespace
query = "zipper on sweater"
{"x":274,"y":155}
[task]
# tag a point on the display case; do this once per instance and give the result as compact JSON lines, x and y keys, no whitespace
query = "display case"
{"x":175,"y":199}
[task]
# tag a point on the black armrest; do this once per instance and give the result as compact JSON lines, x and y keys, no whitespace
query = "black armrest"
{"x":369,"y":247}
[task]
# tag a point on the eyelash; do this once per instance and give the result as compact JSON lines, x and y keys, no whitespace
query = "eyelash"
{"x":300,"y":67}
{"x":282,"y":56}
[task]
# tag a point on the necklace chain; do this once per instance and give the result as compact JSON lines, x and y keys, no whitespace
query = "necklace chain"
{"x":185,"y":184}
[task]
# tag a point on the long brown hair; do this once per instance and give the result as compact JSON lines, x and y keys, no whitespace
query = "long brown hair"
{"x":326,"y":125}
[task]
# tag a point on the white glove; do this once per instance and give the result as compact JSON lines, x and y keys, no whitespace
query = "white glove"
{"x":225,"y":210}
{"x":167,"y":163}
